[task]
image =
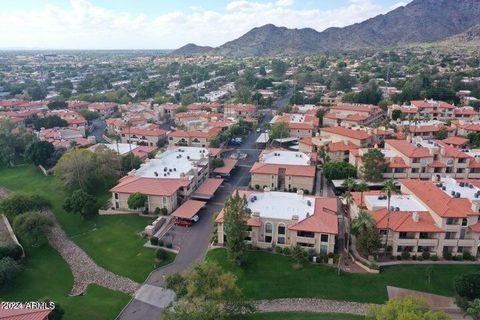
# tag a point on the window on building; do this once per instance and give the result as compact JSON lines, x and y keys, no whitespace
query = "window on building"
{"x":116,"y":196}
{"x":383,"y":232}
{"x":268,"y":239}
{"x":460,"y":249}
{"x":268,"y":227}
{"x":403,"y":235}
{"x":281,"y":240}
{"x":281,"y":229}
{"x":306,"y":234}
{"x":424,"y":235}
{"x":323,"y":248}
{"x":324,"y":238}
{"x":464,"y":222}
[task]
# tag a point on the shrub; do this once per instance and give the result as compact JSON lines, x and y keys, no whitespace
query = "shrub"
{"x":161,"y":254}
{"x":322,"y":258}
{"x":468,"y":256}
{"x":420,"y":258}
{"x":8,"y":269}
{"x":459,"y":258}
{"x":164,"y":211}
{"x":414,"y":257}
{"x":447,"y":256}
{"x":176,"y":282}
{"x":399,"y":257}
{"x":405,"y":255}
{"x":434,"y":257}
{"x":257,"y":187}
{"x":169,"y":245}
{"x":287,"y":251}
{"x":154,"y":240}
{"x":278,"y":250}
{"x":11,"y":250}
{"x":160,"y":243}
{"x":157,"y":211}
{"x":426,"y":255}
{"x":16,"y":204}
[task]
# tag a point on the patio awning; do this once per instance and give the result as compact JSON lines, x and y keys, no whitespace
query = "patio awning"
{"x":207,"y":189}
{"x":188,"y":209}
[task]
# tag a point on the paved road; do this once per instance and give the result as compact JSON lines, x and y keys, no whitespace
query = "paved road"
{"x":197,"y":240}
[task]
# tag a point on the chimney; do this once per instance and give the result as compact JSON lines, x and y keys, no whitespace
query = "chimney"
{"x":415,"y":217}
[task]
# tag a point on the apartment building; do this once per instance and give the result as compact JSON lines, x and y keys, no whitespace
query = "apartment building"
{"x":436,"y":216}
{"x":148,"y":135}
{"x":434,"y":110}
{"x":423,"y":159}
{"x":283,"y":171}
{"x":239,"y":111}
{"x":167,"y":180}
{"x":193,"y":138}
{"x":288,"y":219}
{"x":361,"y":138}
{"x":300,"y":125}
{"x":105,"y":109}
{"x":352,"y":115}
{"x":424,"y":129}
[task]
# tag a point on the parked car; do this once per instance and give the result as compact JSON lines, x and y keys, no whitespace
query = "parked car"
{"x":182,"y":222}
{"x":258,"y":130}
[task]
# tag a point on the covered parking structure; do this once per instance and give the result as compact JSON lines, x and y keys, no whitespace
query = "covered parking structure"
{"x":188,"y":209}
{"x":207,"y":189}
{"x":228,"y":166}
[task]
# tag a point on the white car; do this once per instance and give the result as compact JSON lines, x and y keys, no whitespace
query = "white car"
{"x":259,"y":130}
{"x":195,"y":218}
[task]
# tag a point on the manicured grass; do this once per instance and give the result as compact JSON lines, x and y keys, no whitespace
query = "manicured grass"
{"x":45,"y":273}
{"x":304,"y":316}
{"x":271,"y":276}
{"x":114,"y":242}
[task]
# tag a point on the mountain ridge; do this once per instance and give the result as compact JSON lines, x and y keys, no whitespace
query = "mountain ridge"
{"x":437,"y":20}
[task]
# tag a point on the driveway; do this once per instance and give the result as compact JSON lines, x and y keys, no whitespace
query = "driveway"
{"x":195,"y":242}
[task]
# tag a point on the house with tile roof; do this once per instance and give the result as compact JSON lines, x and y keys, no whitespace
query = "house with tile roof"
{"x":193,"y":138}
{"x":353,"y":114}
{"x":148,"y":134}
{"x":436,"y":216}
{"x":288,"y":219}
{"x":359,"y":137}
{"x":239,"y":111}
{"x":283,"y":170}
{"x":300,"y":125}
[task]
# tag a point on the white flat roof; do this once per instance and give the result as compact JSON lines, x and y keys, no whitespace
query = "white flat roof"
{"x":286,"y":157}
{"x":465,"y":192}
{"x":281,"y":205}
{"x":403,"y":202}
{"x":297,"y":118}
{"x":123,"y":148}
{"x":174,"y":163}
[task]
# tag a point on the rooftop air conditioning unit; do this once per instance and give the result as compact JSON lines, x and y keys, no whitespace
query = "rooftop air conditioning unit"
{"x":156,"y":174}
{"x":397,"y":209}
{"x":457,"y":195}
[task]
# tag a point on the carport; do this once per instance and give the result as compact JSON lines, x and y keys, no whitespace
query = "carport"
{"x":207,"y":189}
{"x":188,"y":209}
{"x":228,"y":165}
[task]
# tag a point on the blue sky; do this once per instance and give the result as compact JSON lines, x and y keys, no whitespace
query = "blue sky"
{"x":158,"y":24}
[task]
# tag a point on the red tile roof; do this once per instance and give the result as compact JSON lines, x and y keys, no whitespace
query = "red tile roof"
{"x":457,"y":141}
{"x":323,"y":220}
{"x":195,"y":134}
{"x":437,"y":200}
{"x":408,"y":149}
{"x":290,"y":170}
{"x":341,"y":146}
{"x":209,"y":187}
{"x":148,"y":186}
{"x":148,"y":132}
{"x":402,"y":221}
{"x":24,"y":314}
{"x":355,"y":134}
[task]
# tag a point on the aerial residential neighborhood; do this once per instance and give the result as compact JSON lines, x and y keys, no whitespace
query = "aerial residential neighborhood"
{"x":254,"y":160}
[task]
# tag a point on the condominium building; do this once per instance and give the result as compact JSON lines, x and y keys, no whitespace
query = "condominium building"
{"x":352,"y":115}
{"x":283,"y":171}
{"x":435,"y":216}
{"x":288,"y":219}
{"x":300,"y":125}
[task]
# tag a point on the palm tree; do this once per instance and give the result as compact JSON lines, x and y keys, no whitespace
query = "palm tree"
{"x":349,"y":184}
{"x":129,"y":125}
{"x":362,"y":222}
{"x":389,"y":187}
{"x":362,"y":187}
{"x":323,"y":154}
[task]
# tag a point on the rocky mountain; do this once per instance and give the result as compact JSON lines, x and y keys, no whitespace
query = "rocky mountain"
{"x":191,"y":49}
{"x":469,"y":38}
{"x":419,"y":21}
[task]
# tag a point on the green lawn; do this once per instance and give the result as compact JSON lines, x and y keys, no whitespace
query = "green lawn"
{"x":45,"y":273}
{"x":304,"y":316}
{"x":111,"y":241}
{"x":271,"y":276}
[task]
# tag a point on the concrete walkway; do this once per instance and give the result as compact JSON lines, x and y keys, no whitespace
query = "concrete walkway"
{"x":311,"y":305}
{"x":155,"y":296}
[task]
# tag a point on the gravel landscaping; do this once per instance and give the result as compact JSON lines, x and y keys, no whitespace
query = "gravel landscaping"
{"x":311,"y":305}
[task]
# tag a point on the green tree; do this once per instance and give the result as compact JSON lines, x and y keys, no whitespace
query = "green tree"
{"x":89,"y":115}
{"x":279,"y":130}
{"x":214,"y":142}
{"x":368,"y":241}
{"x":8,"y":270}
{"x":338,"y":170}
{"x":279,"y":68}
{"x":362,"y":187}
{"x":362,"y":222}
{"x":473,"y":309}
{"x":349,"y":185}
{"x":16,"y":204}
{"x":31,"y":227}
{"x":396,"y":114}
{"x":57,"y":105}
{"x":217,"y":163}
{"x":467,"y":289}
{"x":76,"y":169}
{"x":80,"y":202}
{"x":39,"y":152}
{"x":235,"y":217}
{"x":402,"y":309}
{"x":441,"y":134}
{"x":374,"y":165}
{"x":208,"y":293}
{"x":389,"y":187}
{"x":323,"y":154}
{"x":299,"y":255}
{"x":136,"y":200}
{"x":130,"y":162}
{"x":57,"y":313}
{"x":48,"y":122}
